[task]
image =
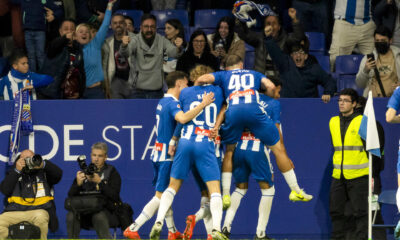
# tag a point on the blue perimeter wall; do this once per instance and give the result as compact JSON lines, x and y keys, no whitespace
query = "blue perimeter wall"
{"x":66,"y":129}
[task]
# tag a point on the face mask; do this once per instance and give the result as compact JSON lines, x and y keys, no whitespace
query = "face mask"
{"x":382,"y":47}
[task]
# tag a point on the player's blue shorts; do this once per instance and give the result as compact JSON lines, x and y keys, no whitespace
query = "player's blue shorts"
{"x":195,"y":154}
{"x":202,"y":185}
{"x":246,"y":162}
{"x":239,"y":117}
{"x":162,"y":172}
{"x":398,"y":160}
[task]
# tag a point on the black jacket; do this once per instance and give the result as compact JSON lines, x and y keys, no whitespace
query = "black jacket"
{"x":53,"y":176}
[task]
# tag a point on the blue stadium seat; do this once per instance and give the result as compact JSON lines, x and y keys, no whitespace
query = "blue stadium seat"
{"x":249,"y":60}
{"x":209,"y":18}
{"x":386,"y":197}
{"x":323,"y":60}
{"x":163,"y":15}
{"x":317,"y":42}
{"x":346,"y":69}
{"x":134,"y":14}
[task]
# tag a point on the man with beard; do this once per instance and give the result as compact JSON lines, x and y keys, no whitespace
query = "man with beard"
{"x":147,"y":50}
{"x":118,"y":69}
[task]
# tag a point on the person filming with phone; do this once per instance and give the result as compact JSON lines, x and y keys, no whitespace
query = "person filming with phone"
{"x":380,"y":70}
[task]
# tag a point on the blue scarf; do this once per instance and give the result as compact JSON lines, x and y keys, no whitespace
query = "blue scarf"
{"x":244,"y":7}
{"x":21,"y":122}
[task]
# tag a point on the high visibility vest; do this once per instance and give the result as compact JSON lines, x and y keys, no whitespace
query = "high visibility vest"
{"x":350,"y":156}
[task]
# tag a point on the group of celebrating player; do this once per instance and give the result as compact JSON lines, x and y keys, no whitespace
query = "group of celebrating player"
{"x":191,"y":124}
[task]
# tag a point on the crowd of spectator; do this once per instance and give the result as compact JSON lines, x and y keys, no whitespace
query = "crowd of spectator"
{"x":90,"y":51}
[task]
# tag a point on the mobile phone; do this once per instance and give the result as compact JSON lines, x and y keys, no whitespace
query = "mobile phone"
{"x":371,"y":55}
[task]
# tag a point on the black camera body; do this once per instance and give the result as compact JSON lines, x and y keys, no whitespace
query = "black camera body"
{"x":32,"y":162}
{"x":87,"y":169}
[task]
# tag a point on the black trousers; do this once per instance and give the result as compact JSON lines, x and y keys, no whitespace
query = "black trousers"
{"x":355,"y":193}
{"x":99,"y":221}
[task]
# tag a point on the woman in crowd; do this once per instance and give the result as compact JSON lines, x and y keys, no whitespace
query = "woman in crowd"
{"x":224,"y":41}
{"x":198,"y":53}
{"x":92,"y":55}
{"x":174,"y":31}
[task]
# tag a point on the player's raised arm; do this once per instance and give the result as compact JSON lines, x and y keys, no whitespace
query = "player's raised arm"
{"x":204,"y":79}
{"x":269,"y":86}
{"x":391,"y":116}
{"x":183,"y":118}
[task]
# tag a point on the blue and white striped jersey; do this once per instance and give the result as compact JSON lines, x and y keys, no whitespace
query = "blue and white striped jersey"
{"x":248,"y":141}
{"x":394,"y":101}
{"x":356,"y":12}
{"x":198,"y":128}
{"x":167,"y":108}
{"x":240,"y":86}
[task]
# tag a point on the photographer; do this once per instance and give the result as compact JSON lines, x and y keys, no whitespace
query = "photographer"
{"x":382,"y":67}
{"x":28,"y":188}
{"x":94,"y":183}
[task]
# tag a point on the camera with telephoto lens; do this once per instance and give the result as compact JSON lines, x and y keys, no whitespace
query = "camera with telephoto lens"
{"x":32,"y":162}
{"x":88,"y":170}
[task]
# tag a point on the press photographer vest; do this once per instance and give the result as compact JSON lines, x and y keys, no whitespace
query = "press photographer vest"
{"x":351,"y":154}
{"x":31,"y":192}
{"x":91,"y":187}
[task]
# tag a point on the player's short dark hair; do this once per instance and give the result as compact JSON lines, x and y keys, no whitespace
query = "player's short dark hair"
{"x":118,"y":14}
{"x":129,"y":18}
{"x":384,"y":31}
{"x":172,"y":77}
{"x":350,"y":92}
{"x":147,"y":16}
{"x":232,"y":60}
{"x":67,"y":20}
{"x":16,"y":55}
{"x":275,"y":80}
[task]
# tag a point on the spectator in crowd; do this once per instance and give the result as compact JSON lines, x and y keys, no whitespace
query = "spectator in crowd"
{"x":64,"y":61}
{"x":21,"y":78}
{"x":224,"y":41}
{"x":104,"y":182}
{"x":263,"y":62}
{"x":35,"y":16}
{"x":163,"y":4}
{"x":174,"y":31}
{"x":197,"y":53}
{"x":147,"y":49}
{"x":92,"y":55}
{"x":385,"y":63}
{"x":53,"y":26}
{"x":353,"y":27}
{"x":130,"y":24}
{"x":314,"y":16}
{"x":118,"y":69}
{"x":386,"y":13}
{"x":89,"y":11}
{"x":350,"y":169}
{"x":300,"y":72}
{"x":30,"y":171}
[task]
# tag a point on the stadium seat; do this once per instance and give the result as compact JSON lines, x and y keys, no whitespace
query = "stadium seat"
{"x":163,"y":15}
{"x":134,"y":14}
{"x":386,"y":197}
{"x":346,"y":69}
{"x":249,"y":60}
{"x":323,"y":60}
{"x":209,"y":18}
{"x":317,"y":42}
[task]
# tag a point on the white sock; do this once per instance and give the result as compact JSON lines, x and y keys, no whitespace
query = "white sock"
{"x":203,"y":208}
{"x":398,"y":199}
{"x":236,"y":197}
{"x":169,"y":220}
{"x":148,"y":212}
{"x":291,"y":180}
{"x":226,"y":183}
{"x":208,"y":223}
{"x":264,"y":209}
{"x":166,"y":201}
{"x":216,"y":210}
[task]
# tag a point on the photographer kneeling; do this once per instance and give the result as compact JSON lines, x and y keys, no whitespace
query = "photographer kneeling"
{"x":28,"y":188}
{"x":94,"y":195}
